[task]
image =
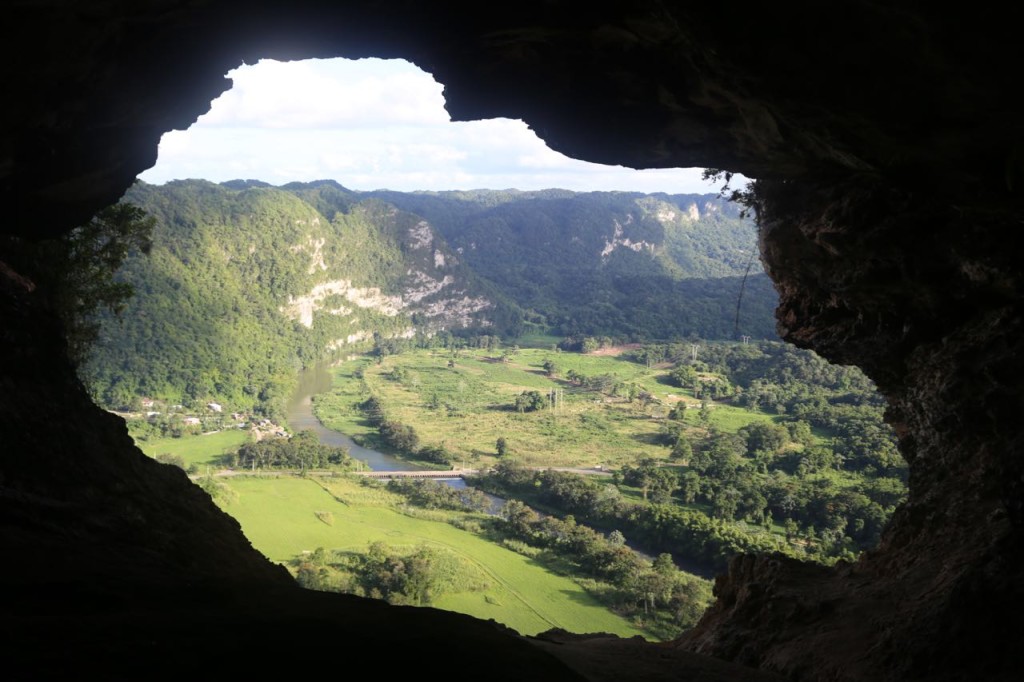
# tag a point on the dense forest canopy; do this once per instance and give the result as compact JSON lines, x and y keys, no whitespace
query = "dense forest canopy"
{"x":730,"y":447}
{"x":611,"y":263}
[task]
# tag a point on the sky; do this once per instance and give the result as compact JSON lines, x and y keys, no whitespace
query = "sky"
{"x":376,"y":124}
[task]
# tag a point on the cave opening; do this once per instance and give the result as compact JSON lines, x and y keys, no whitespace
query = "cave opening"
{"x":891,"y":184}
{"x":278,"y":113}
{"x":378,"y":124}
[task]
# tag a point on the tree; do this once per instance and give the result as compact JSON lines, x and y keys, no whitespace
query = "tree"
{"x":78,"y":271}
{"x":519,"y":518}
{"x":682,"y":450}
{"x":401,"y":579}
{"x":791,"y":528}
{"x":664,"y":565}
{"x":374,"y":410}
{"x":663,"y":483}
{"x":501,"y":446}
{"x":725,"y":503}
{"x":220,"y":493}
{"x":684,"y":376}
{"x":690,"y":485}
{"x":401,"y":437}
{"x":669,"y":432}
{"x":173,"y":460}
{"x":678,"y":411}
{"x":763,"y":436}
{"x":530,"y":401}
{"x":800,"y":432}
{"x":651,"y":479}
{"x":438,"y":454}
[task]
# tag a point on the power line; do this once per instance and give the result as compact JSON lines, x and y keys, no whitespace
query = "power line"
{"x":743,"y":286}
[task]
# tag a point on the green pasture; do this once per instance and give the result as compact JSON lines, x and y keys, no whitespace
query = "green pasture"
{"x":203,"y":450}
{"x":729,"y":418}
{"x":278,"y":515}
{"x":465,"y":402}
{"x":339,"y":407}
{"x":538,"y":340}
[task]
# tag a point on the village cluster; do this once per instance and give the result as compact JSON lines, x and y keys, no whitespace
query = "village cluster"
{"x":176,"y":419}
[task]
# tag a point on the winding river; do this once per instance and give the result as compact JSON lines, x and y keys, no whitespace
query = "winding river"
{"x":299,"y":411}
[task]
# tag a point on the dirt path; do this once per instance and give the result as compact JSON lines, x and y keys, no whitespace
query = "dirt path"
{"x":615,"y":350}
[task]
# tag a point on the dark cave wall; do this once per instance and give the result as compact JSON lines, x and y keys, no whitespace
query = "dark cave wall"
{"x":920,"y":295}
{"x":886,"y":140}
{"x":79,"y":502}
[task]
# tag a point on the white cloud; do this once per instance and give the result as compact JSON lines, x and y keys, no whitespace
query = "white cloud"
{"x":372,"y":124}
{"x":324,"y":94}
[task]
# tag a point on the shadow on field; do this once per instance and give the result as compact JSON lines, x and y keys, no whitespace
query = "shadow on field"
{"x":648,"y":438}
{"x":582,"y":598}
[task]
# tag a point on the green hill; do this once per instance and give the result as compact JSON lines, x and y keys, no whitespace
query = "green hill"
{"x":244,"y":286}
{"x":246,"y":282}
{"x":610,"y":263}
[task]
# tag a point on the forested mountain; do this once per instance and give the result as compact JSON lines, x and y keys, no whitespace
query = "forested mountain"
{"x":247,"y":282}
{"x":610,"y":263}
{"x":244,"y":286}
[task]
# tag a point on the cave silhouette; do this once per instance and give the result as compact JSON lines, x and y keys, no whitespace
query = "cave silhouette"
{"x":886,"y":141}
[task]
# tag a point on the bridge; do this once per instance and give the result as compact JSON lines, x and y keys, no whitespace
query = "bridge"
{"x":453,"y":473}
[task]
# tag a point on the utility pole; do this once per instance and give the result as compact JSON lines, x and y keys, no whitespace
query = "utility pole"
{"x":555,"y":399}
{"x":693,"y":352}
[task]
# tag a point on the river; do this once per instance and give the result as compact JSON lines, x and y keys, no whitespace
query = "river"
{"x":299,"y":411}
{"x":300,"y":416}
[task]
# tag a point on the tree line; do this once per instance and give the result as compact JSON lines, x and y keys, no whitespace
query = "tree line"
{"x":302,"y":451}
{"x":655,"y":593}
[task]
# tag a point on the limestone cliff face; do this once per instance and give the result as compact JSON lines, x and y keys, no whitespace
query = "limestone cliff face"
{"x":887,"y":142}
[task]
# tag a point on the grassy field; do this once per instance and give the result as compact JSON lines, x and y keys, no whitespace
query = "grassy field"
{"x":539,"y":340}
{"x":339,"y":408}
{"x":279,"y":517}
{"x":202,"y":450}
{"x":468,"y":406}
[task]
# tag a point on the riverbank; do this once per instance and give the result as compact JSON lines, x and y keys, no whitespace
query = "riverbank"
{"x":318,"y":381}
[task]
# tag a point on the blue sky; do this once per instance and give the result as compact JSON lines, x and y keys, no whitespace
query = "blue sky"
{"x":372,"y":124}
